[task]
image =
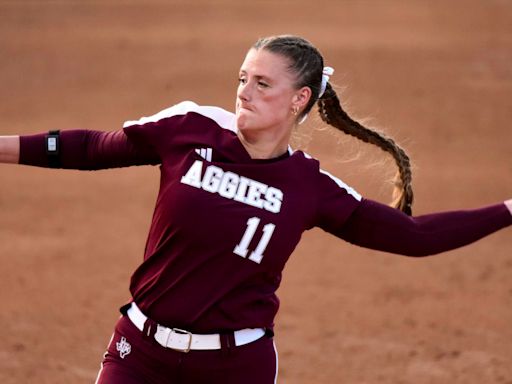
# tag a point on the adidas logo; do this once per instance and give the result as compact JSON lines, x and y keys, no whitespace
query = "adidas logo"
{"x":205,"y":153}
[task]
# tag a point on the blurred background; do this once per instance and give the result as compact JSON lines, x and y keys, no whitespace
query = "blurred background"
{"x":435,"y":75}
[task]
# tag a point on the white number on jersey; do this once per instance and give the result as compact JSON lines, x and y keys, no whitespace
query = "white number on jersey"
{"x":242,"y":248}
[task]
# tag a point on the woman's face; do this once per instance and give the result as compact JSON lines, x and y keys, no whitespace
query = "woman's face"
{"x":266,"y":93}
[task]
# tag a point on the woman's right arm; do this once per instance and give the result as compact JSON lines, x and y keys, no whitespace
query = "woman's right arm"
{"x":77,"y":149}
{"x":9,"y":149}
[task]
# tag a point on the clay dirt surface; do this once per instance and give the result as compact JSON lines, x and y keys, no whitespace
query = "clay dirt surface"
{"x":435,"y":75}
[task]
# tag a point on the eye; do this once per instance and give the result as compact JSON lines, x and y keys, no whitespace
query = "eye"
{"x":242,"y":80}
{"x":262,"y":84}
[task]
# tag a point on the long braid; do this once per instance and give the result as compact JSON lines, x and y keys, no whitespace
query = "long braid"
{"x":333,"y":114}
{"x":306,"y":62}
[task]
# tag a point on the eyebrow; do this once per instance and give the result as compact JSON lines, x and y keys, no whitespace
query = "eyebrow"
{"x":259,"y":77}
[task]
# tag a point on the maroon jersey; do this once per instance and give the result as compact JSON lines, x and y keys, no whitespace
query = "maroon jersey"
{"x":224,"y":224}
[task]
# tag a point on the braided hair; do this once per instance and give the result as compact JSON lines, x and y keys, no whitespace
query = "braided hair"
{"x":306,"y":62}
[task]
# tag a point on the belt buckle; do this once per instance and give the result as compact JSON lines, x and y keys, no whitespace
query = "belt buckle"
{"x":181,"y":332}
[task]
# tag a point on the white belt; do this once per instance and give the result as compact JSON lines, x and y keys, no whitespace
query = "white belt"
{"x":184,"y":341}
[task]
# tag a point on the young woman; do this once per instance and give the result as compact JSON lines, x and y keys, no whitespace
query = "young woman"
{"x":233,"y":203}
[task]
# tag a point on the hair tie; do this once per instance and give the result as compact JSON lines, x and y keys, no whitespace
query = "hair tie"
{"x":326,"y":74}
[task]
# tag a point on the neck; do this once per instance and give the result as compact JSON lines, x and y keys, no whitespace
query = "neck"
{"x":262,"y":145}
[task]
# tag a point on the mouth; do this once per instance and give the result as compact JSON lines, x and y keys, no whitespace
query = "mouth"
{"x":245,"y":106}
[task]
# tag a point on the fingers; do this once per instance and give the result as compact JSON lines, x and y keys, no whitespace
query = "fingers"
{"x":508,"y":204}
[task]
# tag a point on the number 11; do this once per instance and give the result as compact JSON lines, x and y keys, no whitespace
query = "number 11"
{"x":242,"y":248}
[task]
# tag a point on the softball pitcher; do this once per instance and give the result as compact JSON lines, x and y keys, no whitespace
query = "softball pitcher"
{"x":234,"y":200}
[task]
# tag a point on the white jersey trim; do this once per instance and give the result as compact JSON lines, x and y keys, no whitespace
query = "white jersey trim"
{"x":222,"y":117}
{"x":341,"y":184}
{"x":351,"y":191}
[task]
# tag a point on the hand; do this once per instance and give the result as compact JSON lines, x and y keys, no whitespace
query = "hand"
{"x":508,"y":204}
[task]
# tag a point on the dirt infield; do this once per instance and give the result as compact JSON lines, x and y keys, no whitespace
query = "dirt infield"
{"x":436,"y":75}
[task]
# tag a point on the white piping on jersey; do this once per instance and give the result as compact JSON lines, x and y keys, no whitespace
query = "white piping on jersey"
{"x":226,"y":120}
{"x":222,"y":117}
{"x":341,"y":184}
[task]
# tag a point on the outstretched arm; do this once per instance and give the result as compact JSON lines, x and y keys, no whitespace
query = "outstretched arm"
{"x":377,"y":226}
{"x":9,"y":149}
{"x":85,"y":150}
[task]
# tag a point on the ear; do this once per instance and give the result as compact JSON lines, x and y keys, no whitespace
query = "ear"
{"x":301,"y":97}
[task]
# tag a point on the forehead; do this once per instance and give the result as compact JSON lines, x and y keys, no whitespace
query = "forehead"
{"x":261,"y":62}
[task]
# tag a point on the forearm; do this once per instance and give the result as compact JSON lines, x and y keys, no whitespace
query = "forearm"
{"x":9,"y":149}
{"x":379,"y":227}
{"x":86,"y":150}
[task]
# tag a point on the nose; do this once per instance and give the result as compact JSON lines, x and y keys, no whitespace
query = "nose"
{"x":244,"y":92}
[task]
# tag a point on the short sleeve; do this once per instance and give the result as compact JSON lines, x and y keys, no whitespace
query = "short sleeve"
{"x":336,"y":202}
{"x":159,"y":129}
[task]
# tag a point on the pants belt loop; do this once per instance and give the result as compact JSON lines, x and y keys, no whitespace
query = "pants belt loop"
{"x":124,"y":308}
{"x":227,"y":342}
{"x":149,"y":329}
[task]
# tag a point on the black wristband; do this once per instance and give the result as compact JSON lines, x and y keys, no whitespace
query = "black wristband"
{"x":52,"y":142}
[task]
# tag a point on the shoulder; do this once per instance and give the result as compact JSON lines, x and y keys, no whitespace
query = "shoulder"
{"x":326,"y":181}
{"x":335,"y":200}
{"x":220,"y":116}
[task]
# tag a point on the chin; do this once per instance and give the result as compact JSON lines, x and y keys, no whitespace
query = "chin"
{"x":243,"y":122}
{"x":243,"y":127}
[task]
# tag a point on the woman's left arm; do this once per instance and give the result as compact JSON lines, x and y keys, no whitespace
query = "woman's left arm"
{"x":377,"y":226}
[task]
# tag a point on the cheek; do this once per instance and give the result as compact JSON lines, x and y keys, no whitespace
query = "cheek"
{"x":277,"y":101}
{"x":280,"y":106}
